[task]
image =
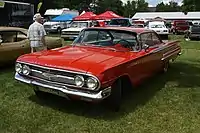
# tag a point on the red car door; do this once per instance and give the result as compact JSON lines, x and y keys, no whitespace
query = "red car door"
{"x":151,"y":59}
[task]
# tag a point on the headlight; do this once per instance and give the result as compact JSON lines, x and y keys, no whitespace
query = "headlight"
{"x":92,"y":83}
{"x":26,"y":70}
{"x":79,"y":81}
{"x":18,"y":68}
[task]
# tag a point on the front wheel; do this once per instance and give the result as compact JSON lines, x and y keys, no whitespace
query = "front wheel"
{"x":165,"y":67}
{"x":59,"y":30}
{"x":114,"y":100}
{"x":39,"y":94}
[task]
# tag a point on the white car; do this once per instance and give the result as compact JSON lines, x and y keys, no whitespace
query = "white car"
{"x":159,"y":28}
{"x":52,"y":26}
{"x":73,"y":31}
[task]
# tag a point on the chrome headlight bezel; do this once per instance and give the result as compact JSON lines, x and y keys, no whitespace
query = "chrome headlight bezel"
{"x":80,"y":79}
{"x":26,"y":70}
{"x":93,"y":81}
{"x":18,"y":67}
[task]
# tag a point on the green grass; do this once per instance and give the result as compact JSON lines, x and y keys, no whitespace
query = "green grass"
{"x":167,"y":103}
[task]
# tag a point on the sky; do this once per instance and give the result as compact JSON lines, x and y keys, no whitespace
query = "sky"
{"x":155,"y":2}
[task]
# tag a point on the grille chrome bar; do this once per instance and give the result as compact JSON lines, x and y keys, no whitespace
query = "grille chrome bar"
{"x":52,"y":77}
{"x":61,"y":71}
{"x":58,"y":76}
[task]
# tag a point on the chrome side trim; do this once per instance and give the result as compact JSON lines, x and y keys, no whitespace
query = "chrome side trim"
{"x":161,"y":48}
{"x":95,"y":96}
{"x":61,"y":70}
{"x":174,"y":53}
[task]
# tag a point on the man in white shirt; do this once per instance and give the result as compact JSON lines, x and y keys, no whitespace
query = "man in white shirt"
{"x":36,"y":34}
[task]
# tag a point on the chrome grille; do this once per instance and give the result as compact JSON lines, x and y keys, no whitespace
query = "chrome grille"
{"x":56,"y":76}
{"x":52,"y":75}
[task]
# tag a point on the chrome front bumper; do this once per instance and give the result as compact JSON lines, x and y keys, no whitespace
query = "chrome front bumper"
{"x":84,"y":95}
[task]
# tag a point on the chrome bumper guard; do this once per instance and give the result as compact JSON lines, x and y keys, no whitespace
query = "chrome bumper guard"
{"x":84,"y":95}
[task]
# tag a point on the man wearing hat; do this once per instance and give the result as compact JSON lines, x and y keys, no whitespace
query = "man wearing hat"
{"x":36,"y":34}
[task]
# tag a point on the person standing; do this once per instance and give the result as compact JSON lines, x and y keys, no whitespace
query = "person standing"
{"x":36,"y":34}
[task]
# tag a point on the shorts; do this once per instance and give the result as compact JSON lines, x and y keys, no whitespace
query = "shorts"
{"x":37,"y":49}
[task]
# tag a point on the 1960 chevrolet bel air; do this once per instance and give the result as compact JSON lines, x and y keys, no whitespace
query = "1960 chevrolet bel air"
{"x":98,"y":64}
{"x":14,"y":42}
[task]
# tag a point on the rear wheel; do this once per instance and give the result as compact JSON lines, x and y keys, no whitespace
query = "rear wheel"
{"x":114,"y":100}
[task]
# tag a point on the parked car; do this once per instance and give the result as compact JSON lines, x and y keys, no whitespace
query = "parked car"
{"x":14,"y":42}
{"x":101,"y":63}
{"x":196,"y":23}
{"x":138,"y":25}
{"x":122,"y":22}
{"x":75,"y":28}
{"x":179,"y":26}
{"x":55,"y":27}
{"x":160,"y":28}
{"x":193,"y":32}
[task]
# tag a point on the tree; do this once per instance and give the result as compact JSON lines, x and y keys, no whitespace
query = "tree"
{"x":114,"y":5}
{"x":171,"y":7}
{"x":129,"y":8}
{"x":191,"y":5}
{"x":71,"y":4}
{"x":141,"y":6}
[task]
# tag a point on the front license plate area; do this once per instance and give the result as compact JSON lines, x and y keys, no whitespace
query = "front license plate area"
{"x":53,"y":91}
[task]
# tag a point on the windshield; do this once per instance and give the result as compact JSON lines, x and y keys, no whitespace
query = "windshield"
{"x":102,"y":37}
{"x":121,"y":22}
{"x":79,"y":25}
{"x":158,"y":26}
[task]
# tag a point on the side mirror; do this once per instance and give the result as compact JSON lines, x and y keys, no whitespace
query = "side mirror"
{"x":145,"y":47}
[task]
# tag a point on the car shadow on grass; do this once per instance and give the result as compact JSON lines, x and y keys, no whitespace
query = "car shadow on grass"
{"x":185,"y":75}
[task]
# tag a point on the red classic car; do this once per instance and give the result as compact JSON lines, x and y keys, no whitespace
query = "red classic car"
{"x":98,"y":64}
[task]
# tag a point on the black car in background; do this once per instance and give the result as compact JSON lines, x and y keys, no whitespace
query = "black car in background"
{"x":193,"y":33}
{"x":121,"y":22}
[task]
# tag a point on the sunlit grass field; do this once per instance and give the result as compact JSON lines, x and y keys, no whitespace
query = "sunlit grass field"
{"x":168,"y":103}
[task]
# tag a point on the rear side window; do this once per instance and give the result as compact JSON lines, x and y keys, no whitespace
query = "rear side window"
{"x":150,"y":39}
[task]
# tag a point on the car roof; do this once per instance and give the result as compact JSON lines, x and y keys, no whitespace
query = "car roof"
{"x":2,"y":28}
{"x":131,"y":29}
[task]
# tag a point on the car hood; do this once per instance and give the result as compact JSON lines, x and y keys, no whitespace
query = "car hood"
{"x":81,"y":59}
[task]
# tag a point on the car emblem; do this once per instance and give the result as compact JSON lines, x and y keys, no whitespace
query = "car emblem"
{"x":48,"y":75}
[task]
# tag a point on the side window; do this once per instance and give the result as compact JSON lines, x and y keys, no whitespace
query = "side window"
{"x":156,"y":39}
{"x":8,"y":36}
{"x":145,"y":38}
{"x":150,"y":39}
{"x":104,"y":39}
{"x":21,"y":36}
{"x":90,"y":36}
{"x":103,"y":36}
